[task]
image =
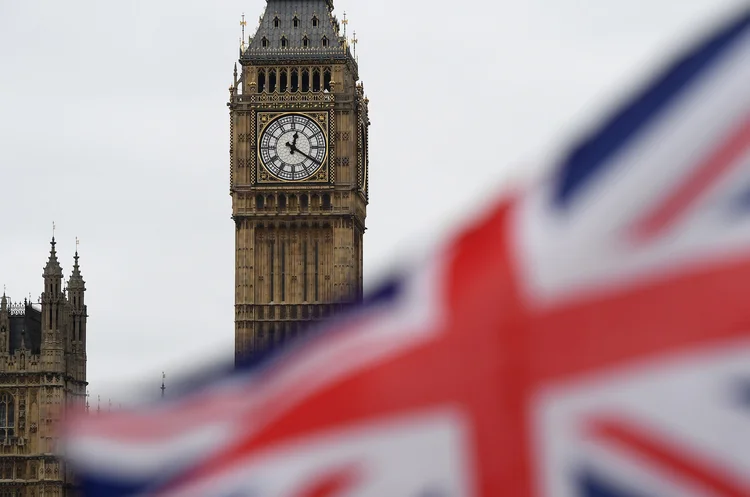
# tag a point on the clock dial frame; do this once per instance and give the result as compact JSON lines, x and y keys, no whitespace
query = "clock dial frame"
{"x":294,"y":147}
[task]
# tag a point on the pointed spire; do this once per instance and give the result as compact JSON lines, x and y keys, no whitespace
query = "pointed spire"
{"x":163,"y":386}
{"x":76,"y":280}
{"x":53,"y":265}
{"x":4,"y":301}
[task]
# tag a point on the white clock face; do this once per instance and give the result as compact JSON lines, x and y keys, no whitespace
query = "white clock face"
{"x":293,"y":147}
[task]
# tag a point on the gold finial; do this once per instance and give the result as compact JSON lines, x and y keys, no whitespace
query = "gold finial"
{"x":354,"y":44}
{"x":345,"y":22}
{"x":243,"y":23}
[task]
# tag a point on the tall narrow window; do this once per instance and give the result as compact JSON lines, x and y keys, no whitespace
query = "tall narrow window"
{"x":261,"y":81}
{"x":305,"y":42}
{"x":305,"y":80}
{"x":283,"y":271}
{"x":7,"y":415}
{"x":283,"y":82}
{"x":271,"y":262}
{"x":272,"y":81}
{"x":325,"y":41}
{"x":284,"y":42}
{"x":276,"y":22}
{"x":295,"y":80}
{"x":327,"y":80}
{"x":316,"y":80}
{"x":295,"y":21}
{"x":317,"y":293}
{"x":315,"y":21}
{"x":304,"y":271}
{"x":264,"y":42}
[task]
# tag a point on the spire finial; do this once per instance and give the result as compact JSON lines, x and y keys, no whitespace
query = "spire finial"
{"x":354,"y":44}
{"x":163,"y":386}
{"x":344,"y":22}
{"x":243,"y":23}
{"x":53,"y":231}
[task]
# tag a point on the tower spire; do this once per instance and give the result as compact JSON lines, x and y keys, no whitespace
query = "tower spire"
{"x":76,"y":268}
{"x":53,"y":265}
{"x":163,"y":386}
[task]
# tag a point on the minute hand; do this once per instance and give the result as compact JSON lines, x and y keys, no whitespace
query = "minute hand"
{"x":295,"y":149}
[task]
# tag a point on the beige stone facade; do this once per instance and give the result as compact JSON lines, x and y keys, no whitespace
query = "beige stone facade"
{"x":299,"y":223}
{"x":42,"y":371}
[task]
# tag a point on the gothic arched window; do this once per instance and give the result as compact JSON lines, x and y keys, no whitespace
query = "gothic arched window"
{"x":315,"y":21}
{"x":261,"y":81}
{"x":295,"y":21}
{"x":305,"y":42}
{"x":276,"y":22}
{"x":264,"y":42}
{"x":284,"y":42}
{"x":325,"y":41}
{"x":295,"y":80}
{"x":272,"y":81}
{"x":7,"y":415}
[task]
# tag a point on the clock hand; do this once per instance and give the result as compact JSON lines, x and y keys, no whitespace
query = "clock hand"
{"x":293,"y":146}
{"x":308,"y":156}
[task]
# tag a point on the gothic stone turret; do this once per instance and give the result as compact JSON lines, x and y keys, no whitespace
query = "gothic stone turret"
{"x":42,"y":370}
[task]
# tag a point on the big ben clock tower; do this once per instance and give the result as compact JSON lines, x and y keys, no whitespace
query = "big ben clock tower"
{"x":298,"y":173}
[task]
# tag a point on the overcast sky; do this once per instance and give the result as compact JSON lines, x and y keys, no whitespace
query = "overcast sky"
{"x":113,"y":124}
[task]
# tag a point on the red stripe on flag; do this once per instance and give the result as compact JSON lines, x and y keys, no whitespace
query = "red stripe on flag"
{"x":331,"y":484}
{"x":713,"y":166}
{"x":673,"y":460}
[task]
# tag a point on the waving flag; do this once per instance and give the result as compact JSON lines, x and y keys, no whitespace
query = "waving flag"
{"x":588,"y":337}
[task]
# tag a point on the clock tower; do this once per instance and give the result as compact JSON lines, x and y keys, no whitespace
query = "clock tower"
{"x":298,"y":173}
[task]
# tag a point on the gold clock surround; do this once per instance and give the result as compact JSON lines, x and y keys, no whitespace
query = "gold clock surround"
{"x":324,"y":119}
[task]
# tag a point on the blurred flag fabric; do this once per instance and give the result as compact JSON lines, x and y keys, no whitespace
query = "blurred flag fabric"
{"x":589,"y":336}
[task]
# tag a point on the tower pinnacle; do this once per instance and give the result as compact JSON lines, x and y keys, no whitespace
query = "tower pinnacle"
{"x":76,"y":280}
{"x":53,"y":265}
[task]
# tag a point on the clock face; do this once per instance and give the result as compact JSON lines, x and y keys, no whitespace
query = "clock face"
{"x":293,"y":147}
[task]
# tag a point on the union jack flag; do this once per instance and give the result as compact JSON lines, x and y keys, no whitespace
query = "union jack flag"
{"x":588,"y":337}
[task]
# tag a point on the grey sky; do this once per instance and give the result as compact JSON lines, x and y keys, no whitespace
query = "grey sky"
{"x":113,"y":124}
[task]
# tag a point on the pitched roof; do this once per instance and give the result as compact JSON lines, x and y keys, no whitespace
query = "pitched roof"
{"x":278,"y":22}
